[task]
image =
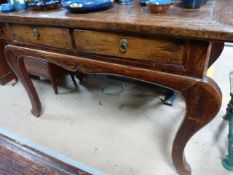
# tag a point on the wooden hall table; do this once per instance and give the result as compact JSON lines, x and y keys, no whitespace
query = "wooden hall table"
{"x":173,"y":49}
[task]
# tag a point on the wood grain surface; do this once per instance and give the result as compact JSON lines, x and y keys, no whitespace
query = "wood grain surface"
{"x":213,"y":21}
{"x":173,"y":50}
{"x":48,"y":36}
{"x":18,"y":159}
{"x":160,"y":50}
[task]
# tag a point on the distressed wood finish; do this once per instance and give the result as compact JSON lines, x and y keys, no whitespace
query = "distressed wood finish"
{"x":177,"y":49}
{"x":213,"y":21}
{"x":203,"y":101}
{"x":159,"y":50}
{"x":17,"y":158}
{"x":217,"y":48}
{"x":48,"y":36}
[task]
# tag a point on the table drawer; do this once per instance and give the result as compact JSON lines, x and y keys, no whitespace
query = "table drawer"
{"x":159,"y":50}
{"x":46,"y":36}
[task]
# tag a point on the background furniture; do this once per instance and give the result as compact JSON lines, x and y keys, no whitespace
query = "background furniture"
{"x":41,"y":68}
{"x":172,"y":50}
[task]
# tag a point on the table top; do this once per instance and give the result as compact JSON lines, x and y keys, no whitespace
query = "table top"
{"x":213,"y":21}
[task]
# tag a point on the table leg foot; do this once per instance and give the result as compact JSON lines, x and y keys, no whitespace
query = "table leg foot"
{"x":169,"y":98}
{"x":203,"y":101}
{"x":17,"y":65}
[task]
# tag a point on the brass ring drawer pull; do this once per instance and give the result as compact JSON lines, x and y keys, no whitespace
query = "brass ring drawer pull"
{"x":123,"y":45}
{"x":36,"y":33}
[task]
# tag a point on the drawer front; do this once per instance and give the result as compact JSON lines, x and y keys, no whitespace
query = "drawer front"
{"x":46,"y":36}
{"x":159,"y":50}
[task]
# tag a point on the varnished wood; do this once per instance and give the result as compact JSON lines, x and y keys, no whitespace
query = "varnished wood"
{"x":185,"y":43}
{"x":217,"y":48}
{"x":213,"y":21}
{"x":17,"y":158}
{"x":88,"y":66}
{"x":197,"y":58}
{"x":161,"y":53}
{"x":203,"y":101}
{"x":17,"y":65}
{"x":160,"y":50}
{"x":49,"y":36}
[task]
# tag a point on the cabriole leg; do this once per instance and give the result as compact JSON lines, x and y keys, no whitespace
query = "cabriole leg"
{"x":17,"y":65}
{"x":203,"y":101}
